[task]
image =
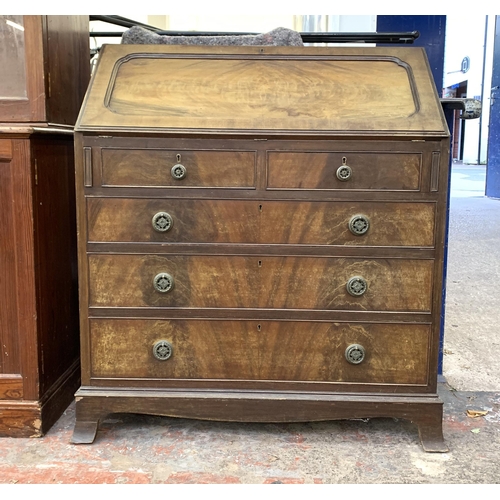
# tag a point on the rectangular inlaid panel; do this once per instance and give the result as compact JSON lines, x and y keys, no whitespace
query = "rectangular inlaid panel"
{"x":275,"y":222}
{"x":252,"y":350}
{"x":367,"y":170}
{"x":153,"y":168}
{"x":290,"y":89}
{"x":260,"y":282}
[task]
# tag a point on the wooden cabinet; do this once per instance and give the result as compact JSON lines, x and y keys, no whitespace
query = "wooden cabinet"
{"x":45,"y":61}
{"x":48,"y":69}
{"x":261,"y":235}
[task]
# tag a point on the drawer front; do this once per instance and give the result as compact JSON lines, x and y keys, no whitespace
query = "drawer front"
{"x":366,"y":171}
{"x":274,"y":222}
{"x":154,"y":168}
{"x":251,"y":350}
{"x":260,"y":282}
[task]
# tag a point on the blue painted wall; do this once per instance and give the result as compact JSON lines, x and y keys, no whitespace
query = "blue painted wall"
{"x":493,"y":168}
{"x":432,"y":38}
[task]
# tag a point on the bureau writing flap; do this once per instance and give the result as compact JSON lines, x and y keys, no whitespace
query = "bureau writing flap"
{"x":292,"y":90}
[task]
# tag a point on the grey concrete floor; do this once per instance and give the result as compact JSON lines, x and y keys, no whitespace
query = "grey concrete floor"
{"x":133,"y":449}
{"x":472,"y":318}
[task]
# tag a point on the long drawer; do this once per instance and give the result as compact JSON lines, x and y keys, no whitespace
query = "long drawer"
{"x":273,"y":222}
{"x":259,"y":350}
{"x":178,"y":168}
{"x":122,"y":280}
{"x":392,"y":171}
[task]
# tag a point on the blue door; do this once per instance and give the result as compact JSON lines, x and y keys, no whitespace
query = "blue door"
{"x":493,"y":168}
{"x":432,"y":36}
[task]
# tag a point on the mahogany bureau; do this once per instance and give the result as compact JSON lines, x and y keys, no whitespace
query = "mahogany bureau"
{"x":261,"y":235}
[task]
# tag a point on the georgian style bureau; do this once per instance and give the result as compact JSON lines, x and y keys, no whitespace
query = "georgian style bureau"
{"x":261,"y":235}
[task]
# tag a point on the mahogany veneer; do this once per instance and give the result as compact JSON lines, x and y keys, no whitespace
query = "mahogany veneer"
{"x":261,"y":235}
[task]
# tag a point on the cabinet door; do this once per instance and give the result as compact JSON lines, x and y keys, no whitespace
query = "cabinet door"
{"x":22,"y":86}
{"x":17,"y":299}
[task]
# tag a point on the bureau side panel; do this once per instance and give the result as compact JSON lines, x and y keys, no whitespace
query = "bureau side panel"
{"x":83,"y":163}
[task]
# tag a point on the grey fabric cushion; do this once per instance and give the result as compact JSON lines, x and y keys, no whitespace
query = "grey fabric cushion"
{"x":278,"y":36}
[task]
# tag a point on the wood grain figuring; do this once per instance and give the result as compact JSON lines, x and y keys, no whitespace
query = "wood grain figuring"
{"x":303,"y":89}
{"x":260,"y":351}
{"x":11,"y":387}
{"x":153,"y":168}
{"x":19,"y":419}
{"x":314,"y":170}
{"x":265,"y":282}
{"x":260,"y":89}
{"x":260,"y":222}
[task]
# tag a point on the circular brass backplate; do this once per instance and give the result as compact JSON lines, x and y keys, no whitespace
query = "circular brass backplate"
{"x":357,"y":286}
{"x":178,"y":171}
{"x":162,"y":350}
{"x":344,"y":173}
{"x":355,"y":354}
{"x":163,"y":282}
{"x":359,"y":224}
{"x":162,"y":222}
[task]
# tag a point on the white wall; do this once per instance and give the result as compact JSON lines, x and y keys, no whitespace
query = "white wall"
{"x":465,"y":36}
{"x":243,"y":23}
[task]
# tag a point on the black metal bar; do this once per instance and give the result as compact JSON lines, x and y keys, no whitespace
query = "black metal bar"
{"x":122,"y":21}
{"x":405,"y":38}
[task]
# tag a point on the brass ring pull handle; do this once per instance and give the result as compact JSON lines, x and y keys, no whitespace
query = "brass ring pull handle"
{"x":163,"y":282}
{"x":357,"y":286}
{"x":162,"y":350}
{"x":355,"y":354}
{"x":359,"y":224}
{"x":344,"y":173}
{"x":178,"y":172}
{"x":162,"y":222}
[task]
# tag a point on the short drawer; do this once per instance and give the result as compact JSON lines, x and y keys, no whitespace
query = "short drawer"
{"x":261,"y":222}
{"x":392,"y":171}
{"x":260,"y":282}
{"x":259,"y":350}
{"x":178,"y":168}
